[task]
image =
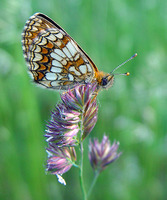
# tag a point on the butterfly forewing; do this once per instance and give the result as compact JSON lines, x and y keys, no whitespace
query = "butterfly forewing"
{"x":53,"y":57}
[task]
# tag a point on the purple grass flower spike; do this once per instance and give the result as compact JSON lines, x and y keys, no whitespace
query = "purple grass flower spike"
{"x":60,"y":159}
{"x":102,"y":154}
{"x":77,"y":113}
{"x":79,"y":108}
{"x":63,"y":126}
{"x":90,"y":117}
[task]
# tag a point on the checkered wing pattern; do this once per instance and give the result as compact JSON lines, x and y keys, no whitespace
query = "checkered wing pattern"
{"x":54,"y":59}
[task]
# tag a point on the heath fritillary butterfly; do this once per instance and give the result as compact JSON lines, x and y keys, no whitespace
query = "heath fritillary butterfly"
{"x":55,"y":60}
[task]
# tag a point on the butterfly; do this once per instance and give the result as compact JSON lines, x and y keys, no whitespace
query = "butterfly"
{"x":55,"y":60}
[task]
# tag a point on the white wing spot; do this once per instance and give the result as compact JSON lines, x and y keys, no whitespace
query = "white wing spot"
{"x":53,"y":30}
{"x":55,"y":56}
{"x":60,"y":53}
{"x":51,"y":76}
{"x":37,"y":57}
{"x":70,"y":76}
{"x":37,"y":24}
{"x":83,"y":69}
{"x":36,"y":66}
{"x":30,"y":22}
{"x":56,"y":63}
{"x":55,"y":83}
{"x":56,"y":69}
{"x":71,"y":48}
{"x":59,"y":35}
{"x":77,"y":57}
{"x":51,"y":37}
{"x":72,"y":69}
{"x":59,"y":76}
{"x":64,"y":62}
{"x":45,"y":33}
{"x":66,"y":52}
{"x":34,"y":29}
{"x":58,"y":43}
{"x":37,"y":49}
{"x":43,"y":41}
{"x":89,"y":68}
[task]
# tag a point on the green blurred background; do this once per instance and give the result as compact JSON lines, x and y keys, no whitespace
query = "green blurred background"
{"x":133,"y":112}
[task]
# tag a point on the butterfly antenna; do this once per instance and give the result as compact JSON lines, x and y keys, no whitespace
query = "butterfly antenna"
{"x":127,"y":74}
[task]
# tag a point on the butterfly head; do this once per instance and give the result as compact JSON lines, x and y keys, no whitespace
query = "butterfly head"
{"x":107,"y":81}
{"x":104,"y":80}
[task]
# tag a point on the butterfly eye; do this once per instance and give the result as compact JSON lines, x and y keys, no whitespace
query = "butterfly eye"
{"x":104,"y":81}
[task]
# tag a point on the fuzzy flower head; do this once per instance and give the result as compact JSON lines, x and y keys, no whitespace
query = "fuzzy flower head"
{"x":82,"y":99}
{"x":60,"y":160}
{"x":71,"y":121}
{"x":63,"y":127}
{"x":77,"y":111}
{"x":102,"y":154}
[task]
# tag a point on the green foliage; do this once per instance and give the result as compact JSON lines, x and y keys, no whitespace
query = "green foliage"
{"x":132,"y":112}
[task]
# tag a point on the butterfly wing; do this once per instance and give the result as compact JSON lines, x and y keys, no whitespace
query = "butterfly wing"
{"x":54,"y":59}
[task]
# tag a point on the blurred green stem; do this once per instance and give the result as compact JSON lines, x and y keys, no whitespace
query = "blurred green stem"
{"x":81,"y":163}
{"x":81,"y":173}
{"x":93,"y":182}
